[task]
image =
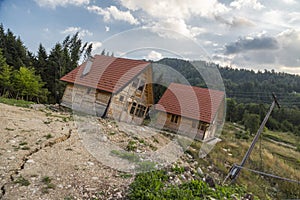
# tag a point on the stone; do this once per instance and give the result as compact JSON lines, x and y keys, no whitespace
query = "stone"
{"x":199,"y":171}
{"x":210,"y":181}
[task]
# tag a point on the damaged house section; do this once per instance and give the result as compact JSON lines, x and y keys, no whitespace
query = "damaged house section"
{"x":193,"y":111}
{"x":106,"y":86}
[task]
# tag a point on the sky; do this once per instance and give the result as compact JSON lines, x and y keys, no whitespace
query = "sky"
{"x":251,"y":34}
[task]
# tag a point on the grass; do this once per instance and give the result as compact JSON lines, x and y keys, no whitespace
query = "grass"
{"x":22,"y":181}
{"x":154,"y":185}
{"x":15,"y":102}
{"x":267,"y":156}
{"x":48,"y":136}
{"x":48,"y":185}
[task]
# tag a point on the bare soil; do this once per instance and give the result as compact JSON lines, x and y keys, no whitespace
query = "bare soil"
{"x":42,"y":157}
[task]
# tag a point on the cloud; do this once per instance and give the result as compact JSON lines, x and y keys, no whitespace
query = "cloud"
{"x":154,"y":55}
{"x":175,"y":26}
{"x":252,"y":43}
{"x":235,"y":22}
{"x":280,"y":52}
{"x":175,"y":15}
{"x":113,"y":12}
{"x":55,"y":3}
{"x":107,"y":29}
{"x":290,"y":2}
{"x":239,"y":4}
{"x":73,"y":30}
{"x":177,"y":9}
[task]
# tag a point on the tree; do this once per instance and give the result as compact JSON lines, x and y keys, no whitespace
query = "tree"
{"x":5,"y":76}
{"x":251,"y":122}
{"x":28,"y":85}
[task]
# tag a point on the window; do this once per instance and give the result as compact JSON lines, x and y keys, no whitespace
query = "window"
{"x":141,"y":85}
{"x":202,"y":126}
{"x":135,"y":83}
{"x":133,"y":108}
{"x":174,"y":118}
{"x":121,"y":98}
{"x":140,"y":111}
{"x":87,"y":67}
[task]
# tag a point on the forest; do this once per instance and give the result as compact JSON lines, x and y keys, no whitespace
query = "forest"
{"x":35,"y":77}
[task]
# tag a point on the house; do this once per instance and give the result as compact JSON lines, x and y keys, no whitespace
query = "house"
{"x":110,"y":87}
{"x":193,"y":111}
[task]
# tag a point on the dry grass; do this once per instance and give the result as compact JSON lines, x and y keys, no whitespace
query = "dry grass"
{"x":268,"y":157}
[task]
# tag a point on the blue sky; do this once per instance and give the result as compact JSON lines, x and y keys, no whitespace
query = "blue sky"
{"x":253,"y":34}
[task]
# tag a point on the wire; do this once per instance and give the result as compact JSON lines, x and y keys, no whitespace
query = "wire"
{"x":267,"y":174}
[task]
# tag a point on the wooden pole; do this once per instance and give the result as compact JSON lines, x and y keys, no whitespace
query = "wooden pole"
{"x":235,"y":171}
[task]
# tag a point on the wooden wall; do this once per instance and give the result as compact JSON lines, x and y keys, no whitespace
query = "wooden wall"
{"x":122,"y":102}
{"x":184,"y":125}
{"x":85,"y":99}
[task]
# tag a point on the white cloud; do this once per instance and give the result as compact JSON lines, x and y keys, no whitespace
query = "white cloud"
{"x":289,"y":2}
{"x":177,"y":9}
{"x":255,"y":4}
{"x":154,"y":55}
{"x":107,"y":29}
{"x":169,"y":27}
{"x":113,"y":12}
{"x":73,"y":30}
{"x":55,"y":3}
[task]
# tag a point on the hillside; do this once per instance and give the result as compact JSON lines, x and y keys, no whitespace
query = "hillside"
{"x":43,"y":156}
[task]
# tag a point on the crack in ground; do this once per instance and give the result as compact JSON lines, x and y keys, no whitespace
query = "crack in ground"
{"x":25,"y":158}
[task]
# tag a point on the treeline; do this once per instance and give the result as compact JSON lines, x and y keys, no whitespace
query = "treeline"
{"x":249,"y":94}
{"x":251,"y":114}
{"x":24,"y":75}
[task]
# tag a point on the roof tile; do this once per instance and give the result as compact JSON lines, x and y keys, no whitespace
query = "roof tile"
{"x":191,"y":102}
{"x":107,"y":73}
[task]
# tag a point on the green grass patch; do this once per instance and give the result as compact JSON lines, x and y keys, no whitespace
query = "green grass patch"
{"x":154,"y":185}
{"x":15,"y":102}
{"x":22,"y":181}
{"x":126,"y":155}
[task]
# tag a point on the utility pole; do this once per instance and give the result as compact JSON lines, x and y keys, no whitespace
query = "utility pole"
{"x":235,"y":170}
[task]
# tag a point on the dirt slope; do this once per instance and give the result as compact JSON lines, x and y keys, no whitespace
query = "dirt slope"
{"x":42,"y":157}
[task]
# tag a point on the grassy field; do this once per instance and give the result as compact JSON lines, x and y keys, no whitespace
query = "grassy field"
{"x":15,"y":102}
{"x":275,"y":153}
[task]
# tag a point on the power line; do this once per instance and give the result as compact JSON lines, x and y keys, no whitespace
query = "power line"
{"x":267,"y":174}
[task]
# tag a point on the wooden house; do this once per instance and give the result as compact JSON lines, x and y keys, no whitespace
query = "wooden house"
{"x":111,"y":87}
{"x":193,"y":111}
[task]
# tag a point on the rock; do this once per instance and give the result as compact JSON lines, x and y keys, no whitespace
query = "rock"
{"x":248,"y":197}
{"x":199,"y":171}
{"x":37,"y":106}
{"x":103,"y":138}
{"x":11,"y":158}
{"x":30,"y":161}
{"x":183,"y":177}
{"x":210,"y":181}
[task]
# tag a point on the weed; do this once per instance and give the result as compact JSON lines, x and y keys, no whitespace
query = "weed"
{"x":25,"y":148}
{"x":125,"y":175}
{"x":48,"y":136}
{"x":23,"y":143}
{"x":146,"y":166}
{"x":22,"y":181}
{"x":48,"y":185}
{"x":9,"y":129}
{"x":177,"y":169}
{"x":126,"y":155}
{"x":131,"y":146}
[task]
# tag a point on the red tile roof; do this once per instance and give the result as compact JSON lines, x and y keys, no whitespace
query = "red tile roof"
{"x":191,"y":102}
{"x":107,"y":73}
